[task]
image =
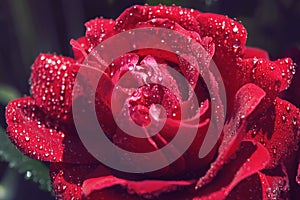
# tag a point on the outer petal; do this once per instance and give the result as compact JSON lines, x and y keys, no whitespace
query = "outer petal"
{"x":248,"y":160}
{"x":52,"y":81}
{"x":97,"y":31}
{"x":229,"y":38}
{"x":95,"y":182}
{"x":277,"y":129}
{"x":80,"y":47}
{"x":41,"y":137}
{"x":135,"y":14}
{"x":249,"y":188}
{"x":142,"y":188}
{"x":252,"y":52}
{"x":67,"y":179}
{"x":90,"y":182}
{"x":272,"y":76}
{"x":275,"y":183}
{"x":246,"y":100}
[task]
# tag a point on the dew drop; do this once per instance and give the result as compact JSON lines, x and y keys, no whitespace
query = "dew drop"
{"x":253,"y":133}
{"x":235,"y":29}
{"x":223,"y":25}
{"x":28,"y":175}
{"x":255,"y":60}
{"x":294,"y":120}
{"x":130,"y":66}
{"x":274,"y":150}
{"x":288,"y":108}
{"x":283,"y":117}
{"x":286,"y":60}
{"x":262,"y":141}
{"x":235,"y":47}
{"x":64,"y":187}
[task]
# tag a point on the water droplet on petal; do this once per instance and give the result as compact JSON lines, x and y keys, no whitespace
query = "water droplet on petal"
{"x":288,"y":109}
{"x":283,"y":117}
{"x":294,"y":120}
{"x":235,"y":29}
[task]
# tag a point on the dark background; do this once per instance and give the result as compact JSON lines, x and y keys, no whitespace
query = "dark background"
{"x":29,"y":27}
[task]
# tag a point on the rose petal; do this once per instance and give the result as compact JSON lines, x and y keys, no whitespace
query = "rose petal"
{"x":249,"y":188}
{"x":95,"y":182}
{"x":122,"y":65}
{"x":191,"y":52}
{"x":246,"y":100}
{"x":188,"y":53}
{"x":67,"y":179}
{"x":277,"y":129}
{"x":52,"y":81}
{"x":168,"y":24}
{"x":229,"y":38}
{"x":67,"y":183}
{"x":80,"y":47}
{"x":271,"y":76}
{"x":275,"y":183}
{"x":228,"y":35}
{"x":252,"y":52}
{"x":249,"y":160}
{"x":147,"y":187}
{"x":99,"y":29}
{"x":287,"y":67}
{"x":135,"y":14}
{"x":29,"y":129}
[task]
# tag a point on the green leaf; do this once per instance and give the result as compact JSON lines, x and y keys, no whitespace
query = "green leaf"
{"x":9,"y":184}
{"x":164,"y":2}
{"x":8,"y":93}
{"x":32,"y":169}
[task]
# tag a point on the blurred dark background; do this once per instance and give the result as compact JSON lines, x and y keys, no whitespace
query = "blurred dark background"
{"x":28,"y":27}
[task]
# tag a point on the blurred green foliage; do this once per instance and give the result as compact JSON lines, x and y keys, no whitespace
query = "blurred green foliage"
{"x":8,"y":93}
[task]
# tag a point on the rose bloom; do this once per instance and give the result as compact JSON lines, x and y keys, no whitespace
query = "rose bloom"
{"x":254,"y":158}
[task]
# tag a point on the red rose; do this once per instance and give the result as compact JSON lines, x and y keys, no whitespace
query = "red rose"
{"x":255,"y":157}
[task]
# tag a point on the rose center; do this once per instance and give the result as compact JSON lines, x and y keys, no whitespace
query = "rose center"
{"x":153,"y":102}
